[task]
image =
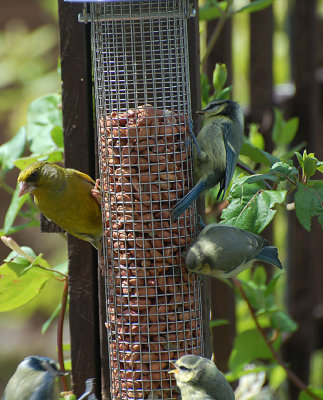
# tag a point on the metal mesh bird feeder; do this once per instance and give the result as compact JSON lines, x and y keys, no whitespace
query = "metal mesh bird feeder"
{"x":143,"y":114}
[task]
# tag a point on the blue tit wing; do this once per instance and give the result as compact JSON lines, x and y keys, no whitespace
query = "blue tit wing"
{"x":269,"y":254}
{"x":45,"y":391}
{"x":187,"y":200}
{"x":231,"y":158}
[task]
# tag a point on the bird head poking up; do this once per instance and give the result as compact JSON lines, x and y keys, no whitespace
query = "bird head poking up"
{"x":190,"y":368}
{"x":224,"y":108}
{"x":37,"y":175}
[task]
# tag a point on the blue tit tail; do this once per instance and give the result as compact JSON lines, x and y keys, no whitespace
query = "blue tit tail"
{"x":187,"y":200}
{"x":269,"y":254}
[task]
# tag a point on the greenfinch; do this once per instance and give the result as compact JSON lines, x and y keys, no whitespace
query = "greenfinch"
{"x":216,"y":152}
{"x":199,"y":379}
{"x":67,"y":197}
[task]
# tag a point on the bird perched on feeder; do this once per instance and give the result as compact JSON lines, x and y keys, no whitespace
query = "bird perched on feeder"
{"x":223,"y":251}
{"x":67,"y":197}
{"x":34,"y":379}
{"x":199,"y":379}
{"x":216,"y":152}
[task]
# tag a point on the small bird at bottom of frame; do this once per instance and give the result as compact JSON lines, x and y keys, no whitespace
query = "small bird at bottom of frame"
{"x":199,"y":379}
{"x":34,"y":379}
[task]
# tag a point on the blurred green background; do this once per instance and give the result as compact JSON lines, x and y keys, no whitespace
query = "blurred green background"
{"x":28,"y":69}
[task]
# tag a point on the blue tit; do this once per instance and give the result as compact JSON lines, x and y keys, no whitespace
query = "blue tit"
{"x":199,"y":379}
{"x":223,"y":251}
{"x":216,"y":152}
{"x":34,"y":379}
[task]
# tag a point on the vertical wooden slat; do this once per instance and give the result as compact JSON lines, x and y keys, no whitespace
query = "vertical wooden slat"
{"x":304,"y":253}
{"x":79,"y":141}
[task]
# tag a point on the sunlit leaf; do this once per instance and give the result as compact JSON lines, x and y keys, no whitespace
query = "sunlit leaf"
{"x":243,"y":352}
{"x":256,"y":5}
{"x":218,"y":322}
{"x":51,"y":156}
{"x":13,"y":210}
{"x":251,"y":207}
{"x":18,"y":287}
{"x":44,"y":114}
{"x":12,"y":149}
{"x":308,"y":202}
{"x":317,"y":391}
{"x":47,"y":323}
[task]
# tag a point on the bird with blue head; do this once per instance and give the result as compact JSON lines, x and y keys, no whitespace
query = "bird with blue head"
{"x":34,"y":379}
{"x":216,"y":152}
{"x":223,"y":251}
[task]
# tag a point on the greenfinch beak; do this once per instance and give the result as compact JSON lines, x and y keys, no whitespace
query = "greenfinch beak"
{"x":25,"y":188}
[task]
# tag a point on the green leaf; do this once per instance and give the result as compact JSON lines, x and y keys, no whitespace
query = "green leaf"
{"x":57,"y":136}
{"x":317,"y":391}
{"x":207,"y":12}
{"x":255,"y":137}
{"x":257,"y":155}
{"x":219,"y":77}
{"x":18,"y":228}
{"x":12,"y":149}
{"x":218,"y":322}
{"x":18,"y":286}
{"x":205,"y":89}
{"x":290,"y":130}
{"x":277,"y":377}
{"x":272,"y":283}
{"x":248,"y":346}
{"x":308,"y":202}
{"x":256,"y":5}
{"x":283,"y":322}
{"x":13,"y":210}
{"x":299,"y":158}
{"x":44,"y":114}
{"x":259,"y":276}
{"x":251,"y":206}
{"x":51,"y":156}
{"x":47,"y":324}
{"x":284,"y":131}
{"x":309,"y":166}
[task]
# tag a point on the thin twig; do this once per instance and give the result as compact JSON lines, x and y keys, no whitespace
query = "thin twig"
{"x":60,"y":326}
{"x":13,"y":245}
{"x":252,"y":172}
{"x":216,"y":33}
{"x":291,"y":376}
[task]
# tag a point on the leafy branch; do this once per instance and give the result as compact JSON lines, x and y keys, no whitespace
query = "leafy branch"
{"x":292,"y":377}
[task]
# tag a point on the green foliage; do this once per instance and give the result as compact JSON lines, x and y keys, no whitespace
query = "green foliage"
{"x":318,"y":393}
{"x":43,"y":138}
{"x":219,"y":90}
{"x":263,"y":182}
{"x":20,"y":283}
{"x":251,"y":207}
{"x":213,"y":9}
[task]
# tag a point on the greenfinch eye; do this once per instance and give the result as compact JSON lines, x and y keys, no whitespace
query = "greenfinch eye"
{"x":183,"y":368}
